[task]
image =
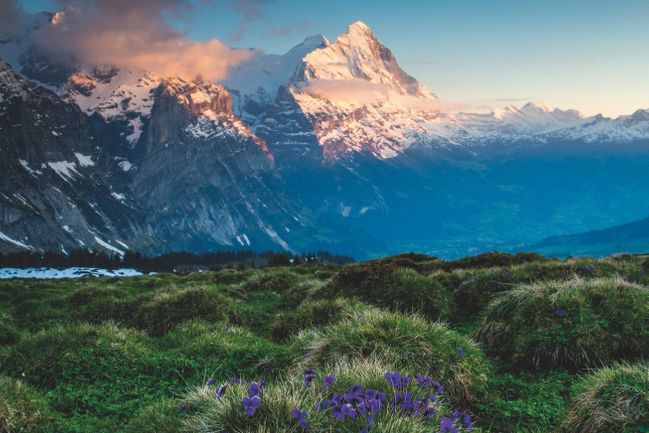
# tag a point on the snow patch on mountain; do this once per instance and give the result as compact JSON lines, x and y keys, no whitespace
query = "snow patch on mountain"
{"x":84,"y":160}
{"x":29,"y":170}
{"x":74,"y":272}
{"x":109,"y":247}
{"x":255,"y":81}
{"x":67,"y":170}
{"x":4,"y":237}
{"x":115,"y":95}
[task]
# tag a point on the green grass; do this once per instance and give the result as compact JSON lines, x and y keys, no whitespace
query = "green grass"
{"x":167,"y":310}
{"x":23,"y":409}
{"x":524,"y":402}
{"x":573,"y":324}
{"x":313,"y":313}
{"x":611,"y":400}
{"x":133,"y":354}
{"x":401,"y":342}
{"x":397,"y":288}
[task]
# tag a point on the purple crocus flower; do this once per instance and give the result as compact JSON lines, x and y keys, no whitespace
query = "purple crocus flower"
{"x":251,"y":404}
{"x":324,"y":404}
{"x":560,"y":312}
{"x":438,"y":387}
{"x":255,"y":389}
{"x":218,"y":392}
{"x":300,"y":416}
{"x":328,"y":380}
{"x":466,"y":422}
{"x":396,"y":380}
{"x":309,"y":375}
{"x":459,"y":352}
{"x":337,"y":412}
{"x":210,"y":382}
{"x":423,"y":381}
{"x":446,"y":425}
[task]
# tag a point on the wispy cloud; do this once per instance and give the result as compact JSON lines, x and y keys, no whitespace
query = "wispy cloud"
{"x":250,"y":11}
{"x":302,"y":28}
{"x":361,"y":92}
{"x":133,"y":34}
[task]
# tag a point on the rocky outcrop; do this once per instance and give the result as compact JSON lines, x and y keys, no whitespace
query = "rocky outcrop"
{"x":205,"y":181}
{"x":59,"y":190}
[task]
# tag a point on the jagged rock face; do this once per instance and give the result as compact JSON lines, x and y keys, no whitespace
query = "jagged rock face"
{"x":58,"y":190}
{"x":289,"y":133}
{"x":199,"y":97}
{"x":205,"y":182}
{"x":122,"y":100}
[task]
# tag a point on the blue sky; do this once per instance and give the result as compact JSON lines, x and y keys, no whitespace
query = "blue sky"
{"x":589,"y":55}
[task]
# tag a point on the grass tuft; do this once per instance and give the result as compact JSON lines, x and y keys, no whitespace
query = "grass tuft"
{"x":312,"y":313}
{"x":402,"y":342}
{"x":400,"y":289}
{"x":22,"y":409}
{"x":610,"y":400}
{"x":167,"y":310}
{"x":572,"y":324}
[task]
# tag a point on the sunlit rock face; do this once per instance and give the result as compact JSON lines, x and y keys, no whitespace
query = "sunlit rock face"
{"x":205,"y":180}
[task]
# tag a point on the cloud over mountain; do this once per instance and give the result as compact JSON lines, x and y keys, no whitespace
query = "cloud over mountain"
{"x":133,"y":35}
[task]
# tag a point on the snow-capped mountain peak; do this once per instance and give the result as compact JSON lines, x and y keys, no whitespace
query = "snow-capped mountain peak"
{"x":358,"y":54}
{"x":309,"y":44}
{"x":531,"y":118}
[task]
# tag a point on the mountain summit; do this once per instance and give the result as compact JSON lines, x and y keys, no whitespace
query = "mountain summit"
{"x":358,"y":54}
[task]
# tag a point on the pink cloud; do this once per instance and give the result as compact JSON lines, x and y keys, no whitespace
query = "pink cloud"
{"x":362,"y":92}
{"x":134,"y":34}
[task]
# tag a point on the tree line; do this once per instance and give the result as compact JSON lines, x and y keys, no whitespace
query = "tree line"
{"x":166,"y":262}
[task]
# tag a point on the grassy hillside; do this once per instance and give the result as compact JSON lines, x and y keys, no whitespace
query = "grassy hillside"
{"x":492,"y":343}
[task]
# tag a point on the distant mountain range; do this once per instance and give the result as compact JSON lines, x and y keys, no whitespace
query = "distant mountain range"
{"x":331,"y":145}
{"x":630,"y":238}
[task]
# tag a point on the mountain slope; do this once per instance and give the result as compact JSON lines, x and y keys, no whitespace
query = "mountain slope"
{"x":205,"y":181}
{"x":59,"y":190}
{"x":631,"y":238}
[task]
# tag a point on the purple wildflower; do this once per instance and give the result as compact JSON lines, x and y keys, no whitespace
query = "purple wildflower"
{"x":255,"y":389}
{"x":251,"y":404}
{"x":218,"y":392}
{"x":210,"y":382}
{"x":459,"y":352}
{"x":396,"y":380}
{"x":328,"y":380}
{"x":446,"y":425}
{"x":466,"y":422}
{"x":309,"y":375}
{"x":300,"y":416}
{"x":423,"y":381}
{"x":560,"y":312}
